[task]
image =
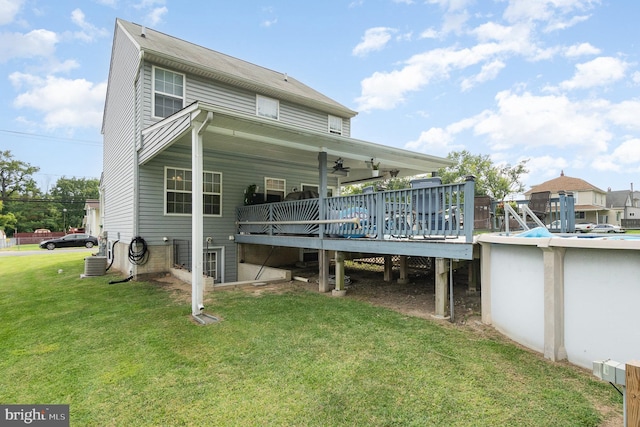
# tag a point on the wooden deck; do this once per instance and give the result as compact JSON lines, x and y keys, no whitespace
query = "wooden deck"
{"x":421,"y":221}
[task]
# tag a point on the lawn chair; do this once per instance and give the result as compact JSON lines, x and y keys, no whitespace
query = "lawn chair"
{"x":539,"y":204}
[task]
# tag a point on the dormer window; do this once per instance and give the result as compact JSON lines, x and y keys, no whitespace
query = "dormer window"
{"x":168,"y":92}
{"x":335,"y":125}
{"x":267,"y":107}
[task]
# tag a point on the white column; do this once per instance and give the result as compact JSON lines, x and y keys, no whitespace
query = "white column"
{"x":197,"y":226}
{"x":554,"y":303}
{"x":485,"y":280}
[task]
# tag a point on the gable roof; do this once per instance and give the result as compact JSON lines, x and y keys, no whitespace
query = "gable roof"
{"x":564,"y":183}
{"x":190,"y":58}
{"x":618,"y":198}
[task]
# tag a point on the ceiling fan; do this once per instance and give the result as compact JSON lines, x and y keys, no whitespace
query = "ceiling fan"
{"x":339,"y":168}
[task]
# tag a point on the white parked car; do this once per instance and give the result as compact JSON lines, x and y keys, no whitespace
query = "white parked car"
{"x":608,"y":228}
{"x":583,"y":227}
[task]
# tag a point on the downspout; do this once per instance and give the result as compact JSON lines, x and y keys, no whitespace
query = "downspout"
{"x":197,"y":222}
{"x":136,"y":141}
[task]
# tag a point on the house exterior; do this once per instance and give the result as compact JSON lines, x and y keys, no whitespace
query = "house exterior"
{"x":589,"y":200}
{"x":92,"y":222}
{"x":187,"y":129}
{"x":624,"y":208}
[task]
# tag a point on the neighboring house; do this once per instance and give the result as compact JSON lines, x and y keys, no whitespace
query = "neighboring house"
{"x":624,"y":207}
{"x":187,"y":129}
{"x":92,"y":222}
{"x":589,"y":200}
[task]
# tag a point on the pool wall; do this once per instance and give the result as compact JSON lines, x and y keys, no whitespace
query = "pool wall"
{"x":568,"y":298}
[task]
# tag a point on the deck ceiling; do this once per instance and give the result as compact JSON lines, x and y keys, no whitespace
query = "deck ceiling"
{"x":252,"y":137}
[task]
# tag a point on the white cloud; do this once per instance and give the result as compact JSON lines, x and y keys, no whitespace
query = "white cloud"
{"x":64,"y":103}
{"x":269,"y":23}
{"x":8,"y":10}
{"x":625,"y":114}
{"x":550,"y":11}
{"x":374,"y":39}
{"x":533,"y":121}
{"x":429,"y":33}
{"x":624,"y":158}
{"x":89,"y":31}
{"x":599,"y":72}
{"x":36,"y":43}
{"x":156,"y":15}
{"x":454,"y":22}
{"x":386,"y":90}
{"x":436,"y":141}
{"x":450,"y":5}
{"x":581,"y":49}
{"x":488,"y":72}
{"x":546,"y":167}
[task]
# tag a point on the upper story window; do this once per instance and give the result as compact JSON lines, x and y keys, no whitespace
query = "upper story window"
{"x":168,"y":92}
{"x":178,"y":192}
{"x":274,"y":189}
{"x":267,"y":107}
{"x":335,"y":125}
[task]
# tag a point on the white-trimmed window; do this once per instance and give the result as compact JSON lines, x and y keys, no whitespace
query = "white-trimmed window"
{"x":274,"y":189}
{"x":168,"y":92}
{"x":335,"y":125}
{"x":210,"y":263}
{"x":305,"y":187}
{"x":178,"y":192}
{"x":267,"y":107}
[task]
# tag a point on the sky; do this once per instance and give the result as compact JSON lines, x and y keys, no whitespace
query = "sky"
{"x":552,"y":82}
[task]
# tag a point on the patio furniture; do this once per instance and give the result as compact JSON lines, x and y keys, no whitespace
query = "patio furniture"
{"x":539,"y":204}
{"x":482,"y":213}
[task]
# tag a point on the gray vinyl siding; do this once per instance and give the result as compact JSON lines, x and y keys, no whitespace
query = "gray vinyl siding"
{"x":238,"y":99}
{"x":236,"y":176}
{"x":119,"y":140}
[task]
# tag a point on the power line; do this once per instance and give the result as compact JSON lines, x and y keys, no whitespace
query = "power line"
{"x":64,"y":202}
{"x":49,"y":137}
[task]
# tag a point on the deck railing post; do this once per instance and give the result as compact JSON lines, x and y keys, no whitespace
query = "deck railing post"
{"x":380,"y":209}
{"x":469,"y":194}
{"x":564,"y":227}
{"x":571,"y":213}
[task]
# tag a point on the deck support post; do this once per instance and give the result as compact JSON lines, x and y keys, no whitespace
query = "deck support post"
{"x":339,"y":271}
{"x":323,"y":274}
{"x":441,"y":288}
{"x":473,"y":270}
{"x":403,"y":279}
{"x":388,"y":268}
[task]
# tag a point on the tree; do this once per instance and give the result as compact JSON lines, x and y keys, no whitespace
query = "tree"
{"x":15,"y":177}
{"x":71,"y":194}
{"x":7,"y":221}
{"x":492,"y":180}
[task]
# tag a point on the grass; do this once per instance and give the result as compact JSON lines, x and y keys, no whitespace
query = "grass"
{"x":128,"y":354}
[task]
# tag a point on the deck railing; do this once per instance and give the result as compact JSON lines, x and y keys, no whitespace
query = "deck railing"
{"x":560,"y":214}
{"x":437,"y":211}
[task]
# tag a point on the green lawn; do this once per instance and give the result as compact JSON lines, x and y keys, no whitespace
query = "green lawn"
{"x":128,"y":354}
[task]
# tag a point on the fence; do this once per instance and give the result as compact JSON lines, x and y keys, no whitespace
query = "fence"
{"x":630,"y":223}
{"x":35,"y":238}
